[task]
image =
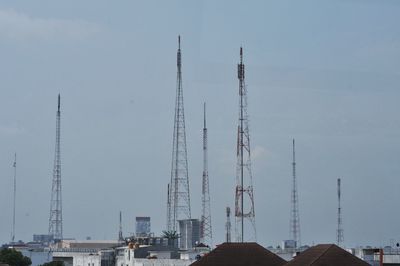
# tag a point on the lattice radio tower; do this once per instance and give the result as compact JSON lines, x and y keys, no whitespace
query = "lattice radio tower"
{"x":339,"y":231}
{"x":55,"y":220}
{"x":205,"y":223}
{"x":179,"y":196}
{"x":244,"y":197}
{"x":294,"y":213}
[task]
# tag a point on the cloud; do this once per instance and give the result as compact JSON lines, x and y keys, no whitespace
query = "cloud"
{"x":19,"y":26}
{"x":258,"y":152}
{"x":11,"y":130}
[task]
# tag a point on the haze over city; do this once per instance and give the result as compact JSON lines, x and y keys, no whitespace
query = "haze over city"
{"x":323,"y":72}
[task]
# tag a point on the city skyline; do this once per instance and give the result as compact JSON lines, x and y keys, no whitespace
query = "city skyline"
{"x":325,"y":74}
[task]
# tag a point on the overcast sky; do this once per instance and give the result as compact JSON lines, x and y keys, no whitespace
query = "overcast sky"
{"x":323,"y":72}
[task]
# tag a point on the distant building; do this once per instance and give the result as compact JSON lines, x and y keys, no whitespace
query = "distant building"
{"x":143,"y":226}
{"x":189,"y":231}
{"x":87,"y":244}
{"x":43,"y":238}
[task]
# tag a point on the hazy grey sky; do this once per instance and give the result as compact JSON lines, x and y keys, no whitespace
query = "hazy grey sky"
{"x":323,"y":72}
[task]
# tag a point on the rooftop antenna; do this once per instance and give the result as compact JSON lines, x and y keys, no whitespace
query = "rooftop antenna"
{"x":120,"y":237}
{"x":294,"y":214}
{"x":15,"y":194}
{"x":205,"y":223}
{"x":244,"y":180}
{"x":179,"y":196}
{"x":228,"y":225}
{"x":339,"y":232}
{"x":55,"y":219}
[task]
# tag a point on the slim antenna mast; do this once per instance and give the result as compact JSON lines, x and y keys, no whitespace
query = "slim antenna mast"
{"x":179,"y":196}
{"x":339,"y":236}
{"x":205,"y":223}
{"x":55,"y":220}
{"x":294,"y":214}
{"x":120,"y":237}
{"x":15,"y":195}
{"x":228,"y":225}
{"x":244,"y":180}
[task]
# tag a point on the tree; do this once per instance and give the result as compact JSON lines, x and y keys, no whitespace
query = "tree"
{"x":13,"y":257}
{"x":172,"y":237}
{"x":53,"y":263}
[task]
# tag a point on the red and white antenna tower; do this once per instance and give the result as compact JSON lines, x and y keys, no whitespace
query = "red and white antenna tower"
{"x":244,"y":197}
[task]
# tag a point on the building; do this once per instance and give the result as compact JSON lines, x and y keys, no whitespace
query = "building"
{"x":240,"y":254}
{"x":189,"y":230}
{"x":378,"y":256}
{"x":43,"y":238}
{"x":326,"y":255}
{"x":135,"y":255}
{"x":143,"y":226}
{"x":88,"y":244}
{"x":84,"y":256}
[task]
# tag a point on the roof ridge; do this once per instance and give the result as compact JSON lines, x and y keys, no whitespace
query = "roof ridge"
{"x":323,"y":253}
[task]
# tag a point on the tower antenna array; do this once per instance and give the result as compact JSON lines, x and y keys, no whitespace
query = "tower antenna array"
{"x":244,"y":182}
{"x":55,"y":220}
{"x":179,"y":196}
{"x":294,"y":214}
{"x":15,"y":195}
{"x":339,"y":232}
{"x":205,"y":223}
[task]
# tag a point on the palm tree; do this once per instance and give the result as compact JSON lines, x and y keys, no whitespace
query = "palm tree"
{"x":172,"y":237}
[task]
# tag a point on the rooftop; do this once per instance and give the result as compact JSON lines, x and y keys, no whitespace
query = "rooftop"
{"x":240,"y":254}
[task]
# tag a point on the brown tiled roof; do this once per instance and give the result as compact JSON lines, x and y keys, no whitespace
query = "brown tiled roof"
{"x":240,"y":254}
{"x":326,"y":255}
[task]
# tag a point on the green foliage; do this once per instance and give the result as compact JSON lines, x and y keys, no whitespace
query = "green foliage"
{"x":13,"y":257}
{"x":170,"y":234}
{"x":53,"y":263}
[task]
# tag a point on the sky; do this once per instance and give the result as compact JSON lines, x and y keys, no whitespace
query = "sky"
{"x":323,"y":72}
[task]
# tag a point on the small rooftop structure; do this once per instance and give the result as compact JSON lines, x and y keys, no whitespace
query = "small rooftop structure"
{"x":240,"y":254}
{"x":88,"y":244}
{"x":326,"y":255}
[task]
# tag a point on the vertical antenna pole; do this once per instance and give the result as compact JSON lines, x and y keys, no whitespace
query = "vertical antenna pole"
{"x":15,"y":195}
{"x":120,"y":236}
{"x":228,"y":225}
{"x":340,"y":235}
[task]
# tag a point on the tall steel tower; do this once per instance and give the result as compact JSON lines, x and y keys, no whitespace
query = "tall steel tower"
{"x":228,"y":225}
{"x":339,"y":231}
{"x":179,"y":196}
{"x":55,"y":220}
{"x":244,"y":198}
{"x":294,"y":213}
{"x":205,"y":222}
{"x":15,"y":195}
